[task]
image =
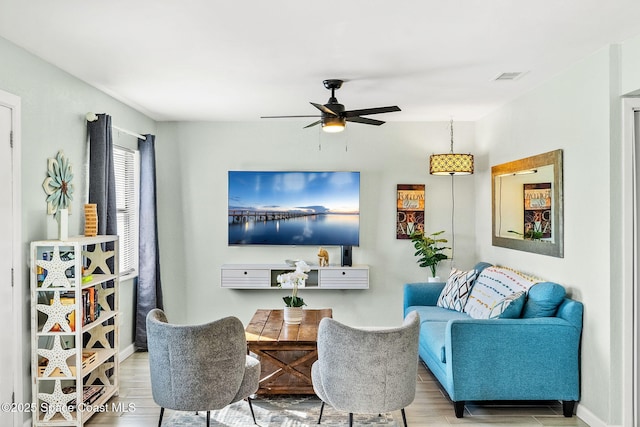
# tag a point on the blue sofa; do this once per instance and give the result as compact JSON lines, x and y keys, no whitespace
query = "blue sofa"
{"x":532,"y":358}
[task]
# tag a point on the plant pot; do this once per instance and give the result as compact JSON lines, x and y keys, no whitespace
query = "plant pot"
{"x":292,"y":315}
{"x":434,"y":279}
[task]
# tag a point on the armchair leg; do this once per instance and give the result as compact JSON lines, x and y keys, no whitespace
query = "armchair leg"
{"x":208,"y":418}
{"x":251,"y":408}
{"x":321,"y":409}
{"x":459,"y":408}
{"x":161,"y":414}
{"x":404,"y":417}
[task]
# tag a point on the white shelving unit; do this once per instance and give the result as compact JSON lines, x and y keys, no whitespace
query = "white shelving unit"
{"x":74,"y":328}
{"x":263,"y":276}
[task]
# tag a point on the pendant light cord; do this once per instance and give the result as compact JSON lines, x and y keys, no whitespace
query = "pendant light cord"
{"x":453,"y":209}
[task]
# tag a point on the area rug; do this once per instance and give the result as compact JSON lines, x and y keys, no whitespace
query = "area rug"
{"x":289,"y":411}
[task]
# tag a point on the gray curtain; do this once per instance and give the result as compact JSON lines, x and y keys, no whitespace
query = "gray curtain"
{"x":149,"y":291}
{"x":102,"y":185}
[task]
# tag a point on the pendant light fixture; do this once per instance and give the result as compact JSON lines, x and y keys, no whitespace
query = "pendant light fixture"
{"x":451,"y":163}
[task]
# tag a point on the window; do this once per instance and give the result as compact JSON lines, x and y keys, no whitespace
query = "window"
{"x":126,"y":164}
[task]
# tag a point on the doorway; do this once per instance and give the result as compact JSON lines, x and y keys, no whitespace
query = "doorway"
{"x":10,"y":260}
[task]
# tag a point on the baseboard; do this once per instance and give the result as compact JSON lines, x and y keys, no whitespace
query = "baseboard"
{"x":126,"y":352}
{"x":588,"y":417}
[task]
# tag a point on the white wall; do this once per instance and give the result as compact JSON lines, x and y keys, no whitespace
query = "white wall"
{"x":193,"y":161}
{"x":571,"y":112}
{"x":53,"y":108}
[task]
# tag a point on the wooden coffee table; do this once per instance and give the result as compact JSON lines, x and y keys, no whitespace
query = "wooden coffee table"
{"x":286,"y":352}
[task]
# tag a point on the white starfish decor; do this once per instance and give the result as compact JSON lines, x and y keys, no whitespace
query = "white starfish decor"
{"x":98,"y":259}
{"x":100,"y":373}
{"x":57,"y":402}
{"x":56,"y":276}
{"x":57,"y":313}
{"x":103,"y":293}
{"x":57,"y":357}
{"x":99,"y":335}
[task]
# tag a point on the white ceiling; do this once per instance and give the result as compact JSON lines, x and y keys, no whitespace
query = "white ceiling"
{"x":239,"y":60}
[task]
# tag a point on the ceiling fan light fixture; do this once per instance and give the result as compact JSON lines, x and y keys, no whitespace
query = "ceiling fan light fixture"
{"x":333,"y":124}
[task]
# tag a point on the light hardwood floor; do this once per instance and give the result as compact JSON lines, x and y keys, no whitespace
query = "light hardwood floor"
{"x":431,"y":407}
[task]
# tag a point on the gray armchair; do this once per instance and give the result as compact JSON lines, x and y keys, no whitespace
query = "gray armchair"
{"x":367,"y":371}
{"x":201,"y":367}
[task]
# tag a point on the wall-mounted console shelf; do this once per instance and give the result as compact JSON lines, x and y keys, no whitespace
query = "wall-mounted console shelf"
{"x":264,"y":276}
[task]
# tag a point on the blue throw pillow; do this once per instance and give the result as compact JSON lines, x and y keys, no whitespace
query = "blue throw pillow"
{"x":509,"y":307}
{"x":543,"y":300}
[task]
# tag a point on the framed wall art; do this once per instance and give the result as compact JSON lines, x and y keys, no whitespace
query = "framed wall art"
{"x":410,"y":210}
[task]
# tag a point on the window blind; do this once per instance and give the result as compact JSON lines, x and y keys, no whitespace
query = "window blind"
{"x":126,"y":169}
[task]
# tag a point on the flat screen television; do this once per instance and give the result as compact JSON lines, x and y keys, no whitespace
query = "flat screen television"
{"x":294,"y":208}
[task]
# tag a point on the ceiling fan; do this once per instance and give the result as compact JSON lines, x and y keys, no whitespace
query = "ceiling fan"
{"x":333,"y":116}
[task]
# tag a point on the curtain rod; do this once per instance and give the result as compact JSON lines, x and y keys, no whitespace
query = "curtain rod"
{"x":92,"y":117}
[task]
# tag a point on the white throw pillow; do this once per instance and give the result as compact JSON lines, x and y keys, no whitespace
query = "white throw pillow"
{"x":456,"y":292}
{"x":493,"y":285}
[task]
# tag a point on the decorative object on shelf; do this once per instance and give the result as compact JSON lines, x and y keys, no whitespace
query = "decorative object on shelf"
{"x":90,"y":219}
{"x":323,"y":257}
{"x":56,"y":402}
{"x":57,"y":358}
{"x":101,"y":373}
{"x":57,"y":185}
{"x":56,"y":270}
{"x":98,"y":258}
{"x":428,"y":250}
{"x":56,"y":314}
{"x":99,"y":335}
{"x":410,"y":210}
{"x":63,"y":224}
{"x":450,"y":163}
{"x":294,"y":280}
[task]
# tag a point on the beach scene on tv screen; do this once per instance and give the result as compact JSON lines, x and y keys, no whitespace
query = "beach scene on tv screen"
{"x":294,"y":208}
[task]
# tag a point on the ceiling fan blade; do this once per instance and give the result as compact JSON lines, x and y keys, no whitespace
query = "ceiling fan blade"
{"x":284,"y":117}
{"x":312,"y":124}
{"x":364,"y":120}
{"x":324,"y":109}
{"x":366,"y":111}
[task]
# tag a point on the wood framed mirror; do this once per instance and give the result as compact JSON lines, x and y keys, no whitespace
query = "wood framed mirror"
{"x":527,"y":203}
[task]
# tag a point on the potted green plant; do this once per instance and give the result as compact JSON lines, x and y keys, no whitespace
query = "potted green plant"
{"x":429,"y":250}
{"x":293,"y":303}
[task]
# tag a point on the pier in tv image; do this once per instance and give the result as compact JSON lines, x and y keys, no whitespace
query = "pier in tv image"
{"x":294,"y":208}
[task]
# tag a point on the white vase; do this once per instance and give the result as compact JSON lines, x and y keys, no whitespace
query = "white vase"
{"x":293,"y":315}
{"x":63,"y":224}
{"x":433,"y":279}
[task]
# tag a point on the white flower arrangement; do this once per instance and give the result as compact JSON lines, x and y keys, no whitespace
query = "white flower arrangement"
{"x":294,"y":280}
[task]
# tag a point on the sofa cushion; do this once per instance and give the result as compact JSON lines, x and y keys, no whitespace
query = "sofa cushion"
{"x":491,"y":287}
{"x":509,"y":307}
{"x":431,"y":313}
{"x":543,"y":300}
{"x":456,"y":292}
{"x":432,"y":336}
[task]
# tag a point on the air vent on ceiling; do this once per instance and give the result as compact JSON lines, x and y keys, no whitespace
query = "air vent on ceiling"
{"x":512,"y":75}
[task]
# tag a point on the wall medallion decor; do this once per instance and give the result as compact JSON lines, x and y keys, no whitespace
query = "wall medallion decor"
{"x":57,"y":185}
{"x":410,"y":205}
